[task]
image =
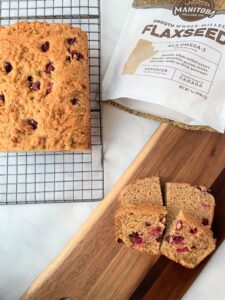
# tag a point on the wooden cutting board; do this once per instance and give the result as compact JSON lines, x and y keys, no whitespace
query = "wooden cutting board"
{"x":93,"y":266}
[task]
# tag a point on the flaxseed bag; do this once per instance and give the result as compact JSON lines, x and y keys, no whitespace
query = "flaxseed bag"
{"x":170,"y":61}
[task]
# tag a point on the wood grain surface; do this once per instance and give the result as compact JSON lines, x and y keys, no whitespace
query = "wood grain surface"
{"x":93,"y":266}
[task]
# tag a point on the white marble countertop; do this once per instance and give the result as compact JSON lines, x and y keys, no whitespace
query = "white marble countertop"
{"x":32,"y":235}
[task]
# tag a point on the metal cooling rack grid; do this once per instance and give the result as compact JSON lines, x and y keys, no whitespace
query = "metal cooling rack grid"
{"x":57,"y":177}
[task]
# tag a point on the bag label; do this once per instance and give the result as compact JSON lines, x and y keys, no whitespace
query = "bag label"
{"x":172,"y":54}
{"x":192,"y":10}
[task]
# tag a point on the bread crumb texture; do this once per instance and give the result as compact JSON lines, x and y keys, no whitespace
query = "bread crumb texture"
{"x":187,"y":242}
{"x":195,"y":200}
{"x":142,"y":191}
{"x":141,"y":227}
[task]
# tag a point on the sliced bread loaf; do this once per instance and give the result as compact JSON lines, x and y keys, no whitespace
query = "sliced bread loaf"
{"x":142,"y":192}
{"x":141,"y":227}
{"x":187,"y":241}
{"x":195,"y":200}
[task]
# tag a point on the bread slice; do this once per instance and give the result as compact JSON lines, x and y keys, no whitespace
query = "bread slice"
{"x":141,"y":227}
{"x":142,"y":192}
{"x":187,"y":241}
{"x":195,"y":200}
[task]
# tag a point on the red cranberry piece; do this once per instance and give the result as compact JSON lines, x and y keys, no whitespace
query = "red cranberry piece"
{"x":147,"y":224}
{"x":206,"y":206}
{"x":179,"y":225}
{"x":182,"y":250}
{"x":2,"y":98}
{"x":32,"y":123}
{"x":49,"y":87}
{"x":34,"y":86}
{"x":178,"y":239}
{"x":74,"y":101}
{"x":138,"y":241}
{"x":72,"y":52}
{"x":194,"y":230}
{"x":157,"y":231}
{"x":158,"y":239}
{"x":120,"y":241}
{"x":135,"y":238}
{"x":49,"y":68}
{"x":8,"y":67}
{"x":169,"y":239}
{"x":71,"y":41}
{"x":79,"y":55}
{"x":76,"y":53}
{"x":205,"y":221}
{"x":134,"y":234}
{"x":30,"y":78}
{"x":45,"y":46}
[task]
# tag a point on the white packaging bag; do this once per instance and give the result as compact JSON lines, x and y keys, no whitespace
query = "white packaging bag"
{"x":170,"y":61}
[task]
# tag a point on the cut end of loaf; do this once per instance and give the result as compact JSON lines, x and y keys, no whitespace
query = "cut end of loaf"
{"x":142,"y":192}
{"x":141,"y":229}
{"x":187,"y":242}
{"x":195,"y":200}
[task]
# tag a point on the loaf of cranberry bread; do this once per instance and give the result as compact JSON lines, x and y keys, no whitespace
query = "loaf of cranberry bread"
{"x":187,"y":241}
{"x":141,"y":227}
{"x":194,"y":200}
{"x":44,"y":88}
{"x":142,"y":191}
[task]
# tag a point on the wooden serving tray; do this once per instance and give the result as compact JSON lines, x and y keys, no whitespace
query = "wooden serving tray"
{"x":93,"y":266}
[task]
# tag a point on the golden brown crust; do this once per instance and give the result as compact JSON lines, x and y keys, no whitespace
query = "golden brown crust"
{"x":46,"y":94}
{"x":142,"y":209}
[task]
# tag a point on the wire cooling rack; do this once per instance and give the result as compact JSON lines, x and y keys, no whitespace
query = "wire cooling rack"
{"x":56,"y":177}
